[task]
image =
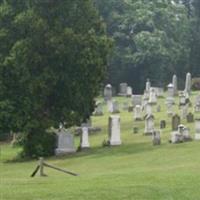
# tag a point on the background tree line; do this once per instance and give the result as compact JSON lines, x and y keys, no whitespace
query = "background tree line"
{"x":152,"y":39}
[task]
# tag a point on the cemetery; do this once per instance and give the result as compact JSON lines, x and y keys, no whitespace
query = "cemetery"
{"x":99,"y":100}
{"x":125,"y":151}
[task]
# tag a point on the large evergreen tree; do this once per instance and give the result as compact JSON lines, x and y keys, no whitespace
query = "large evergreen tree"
{"x":53,"y":57}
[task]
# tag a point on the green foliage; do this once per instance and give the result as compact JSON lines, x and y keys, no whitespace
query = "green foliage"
{"x":151,"y":40}
{"x":53,"y":58}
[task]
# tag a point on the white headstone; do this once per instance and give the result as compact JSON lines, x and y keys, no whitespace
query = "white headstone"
{"x":108,"y":92}
{"x":197,"y":129}
{"x":175,"y":84}
{"x":152,"y":96}
{"x":138,"y":113}
{"x":188,"y":83}
{"x":84,"y":138}
{"x":114,"y":130}
{"x":149,"y":125}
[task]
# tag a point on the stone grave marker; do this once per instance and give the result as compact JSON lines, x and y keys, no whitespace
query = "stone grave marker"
{"x":65,"y":143}
{"x":123,"y":89}
{"x":190,"y":117}
{"x":149,"y":125}
{"x":188,"y":83}
{"x":162,"y":124}
{"x":84,"y":138}
{"x":197,"y":129}
{"x":99,"y":109}
{"x":136,"y":100}
{"x":108,"y":92}
{"x":156,"y":139}
{"x":114,"y":130}
{"x":152,"y":97}
{"x":176,"y":120}
{"x":138,"y":113}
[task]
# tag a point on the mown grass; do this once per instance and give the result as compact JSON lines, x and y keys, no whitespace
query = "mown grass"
{"x":135,"y":170}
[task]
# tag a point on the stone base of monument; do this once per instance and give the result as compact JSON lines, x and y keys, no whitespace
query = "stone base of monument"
{"x":122,"y":94}
{"x":59,"y":152}
{"x":197,"y":136}
{"x":114,"y":143}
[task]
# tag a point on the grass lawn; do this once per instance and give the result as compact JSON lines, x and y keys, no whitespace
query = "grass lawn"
{"x":135,"y":170}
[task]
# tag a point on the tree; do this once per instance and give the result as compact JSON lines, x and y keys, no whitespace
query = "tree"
{"x":151,"y":40}
{"x":53,"y":57}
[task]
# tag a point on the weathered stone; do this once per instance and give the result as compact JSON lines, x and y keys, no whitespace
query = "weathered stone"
{"x":136,"y":100}
{"x":190,"y":117}
{"x":149,"y":125}
{"x":176,"y":120}
{"x":162,"y":124}
{"x":188,"y":83}
{"x":99,"y":109}
{"x":114,"y":130}
{"x":108,"y":92}
{"x":197,"y":129}
{"x":156,"y":139}
{"x":152,"y":97}
{"x":84,"y":138}
{"x":65,"y":143}
{"x":175,"y":84}
{"x":123,"y":89}
{"x":138,"y":113}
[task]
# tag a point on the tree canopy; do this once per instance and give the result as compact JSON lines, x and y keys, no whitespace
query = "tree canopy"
{"x":153,"y":39}
{"x":53,"y":57}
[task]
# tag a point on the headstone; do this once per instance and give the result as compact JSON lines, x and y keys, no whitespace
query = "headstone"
{"x":138,"y":113}
{"x":110,"y":106}
{"x":156,"y":139}
{"x":160,"y":92}
{"x":184,"y":111}
{"x":177,"y":136}
{"x":188,"y":83}
{"x":146,"y":95}
{"x":162,"y":124}
{"x":148,"y":109}
{"x":123,"y":89}
{"x":170,"y":111}
{"x":186,"y":135}
{"x":108,"y":92}
{"x":99,"y":109}
{"x":170,"y":94}
{"x":136,"y":100}
{"x":130,"y":109}
{"x":84,"y":138}
{"x":197,"y":129}
{"x":65,"y":143}
{"x":149,"y":125}
{"x":129,"y":91}
{"x":176,"y":120}
{"x":190,"y":117}
{"x":152,"y":97}
{"x":175,"y":84}
{"x":197,"y":104}
{"x":182,"y":99}
{"x":181,"y":135}
{"x":148,"y":85}
{"x":115,"y":107}
{"x":114,"y":130}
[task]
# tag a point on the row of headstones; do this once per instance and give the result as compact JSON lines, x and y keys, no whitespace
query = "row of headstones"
{"x":180,"y":134}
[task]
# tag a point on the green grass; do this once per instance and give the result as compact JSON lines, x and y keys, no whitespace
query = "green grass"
{"x":135,"y":170}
